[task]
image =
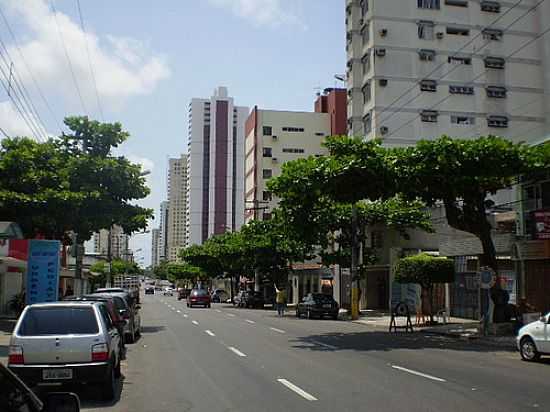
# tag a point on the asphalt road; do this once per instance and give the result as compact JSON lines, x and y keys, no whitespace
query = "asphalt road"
{"x":226,"y":359}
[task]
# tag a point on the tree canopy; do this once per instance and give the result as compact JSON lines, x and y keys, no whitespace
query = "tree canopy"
{"x":424,"y":270}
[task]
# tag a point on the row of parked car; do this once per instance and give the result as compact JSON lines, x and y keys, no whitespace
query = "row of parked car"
{"x":80,"y":340}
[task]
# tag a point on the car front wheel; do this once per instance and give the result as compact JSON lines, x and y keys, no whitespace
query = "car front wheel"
{"x":528,"y":350}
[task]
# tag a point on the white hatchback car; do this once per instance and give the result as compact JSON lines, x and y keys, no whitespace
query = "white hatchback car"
{"x":533,"y":340}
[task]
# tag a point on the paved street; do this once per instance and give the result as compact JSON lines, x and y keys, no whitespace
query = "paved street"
{"x":227,"y":359}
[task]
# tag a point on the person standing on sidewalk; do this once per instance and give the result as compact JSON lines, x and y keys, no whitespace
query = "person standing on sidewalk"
{"x":280,"y":300}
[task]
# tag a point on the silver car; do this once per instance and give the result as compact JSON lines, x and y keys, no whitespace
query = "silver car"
{"x":66,"y":342}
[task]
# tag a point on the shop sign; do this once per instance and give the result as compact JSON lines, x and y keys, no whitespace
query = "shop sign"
{"x":43,"y":271}
{"x":542,"y":224}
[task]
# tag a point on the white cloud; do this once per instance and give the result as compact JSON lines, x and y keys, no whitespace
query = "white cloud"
{"x":146,"y":164}
{"x":11,"y":121}
{"x":124,"y":67}
{"x":272,"y":13}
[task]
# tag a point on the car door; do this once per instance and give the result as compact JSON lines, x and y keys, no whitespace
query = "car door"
{"x":545,"y":343}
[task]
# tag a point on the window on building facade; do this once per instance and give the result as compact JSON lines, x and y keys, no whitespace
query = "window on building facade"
{"x":267,"y":196}
{"x":429,"y":116}
{"x":267,"y":152}
{"x":428,"y":85}
{"x":458,"y":31}
{"x":426,"y":30}
{"x":267,"y":173}
{"x":267,"y":130}
{"x":492,"y":34}
{"x":462,"y":120}
{"x":426,"y":55}
{"x":366,"y":89}
{"x":494,"y":62}
{"x":319,"y":134}
{"x":490,"y":6}
{"x":365,"y":60}
{"x":428,"y":4}
{"x":293,"y":129}
{"x":367,"y":123}
{"x":497,"y":121}
{"x":461,"y":89}
{"x":496,"y":92}
{"x":459,"y":60}
{"x":458,"y":3}
{"x":292,"y":150}
{"x":365,"y":34}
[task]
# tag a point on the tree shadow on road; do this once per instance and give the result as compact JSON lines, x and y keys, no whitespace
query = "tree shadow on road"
{"x":386,"y":341}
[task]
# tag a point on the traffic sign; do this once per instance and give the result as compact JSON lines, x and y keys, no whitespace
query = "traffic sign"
{"x":486,"y":277}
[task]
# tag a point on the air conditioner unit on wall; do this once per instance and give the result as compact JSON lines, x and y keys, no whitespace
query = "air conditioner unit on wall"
{"x":274,"y":159}
{"x":383,"y":82}
{"x":384,"y":130}
{"x":383,"y":32}
{"x":274,"y":137}
{"x":440,"y":35}
{"x":380,"y":52}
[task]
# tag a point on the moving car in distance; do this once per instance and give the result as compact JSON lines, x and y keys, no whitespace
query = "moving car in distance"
{"x":219,"y":296}
{"x":168,"y":292}
{"x":533,"y":339}
{"x":318,"y":305}
{"x":183,"y":293}
{"x":149,"y":290}
{"x":198,"y":297}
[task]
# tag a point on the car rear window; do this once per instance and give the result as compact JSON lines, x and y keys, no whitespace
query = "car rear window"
{"x":59,"y":321}
{"x":119,"y":303}
{"x":200,"y":292}
{"x":322,"y":298}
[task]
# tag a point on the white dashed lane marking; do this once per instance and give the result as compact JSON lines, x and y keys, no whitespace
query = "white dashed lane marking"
{"x":413,"y":372}
{"x":209,"y":332}
{"x":297,"y":389}
{"x":194,"y":322}
{"x":236,"y":351}
{"x":277,"y":330}
{"x":249,"y":321}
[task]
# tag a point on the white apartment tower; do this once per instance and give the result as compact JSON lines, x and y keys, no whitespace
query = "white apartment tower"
{"x":424,"y":68}
{"x":163,"y":231}
{"x":216,"y":166}
{"x":119,"y":243}
{"x":155,"y":247}
{"x":177,"y":207}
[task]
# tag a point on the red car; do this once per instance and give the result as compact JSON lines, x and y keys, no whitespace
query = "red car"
{"x":198,"y":297}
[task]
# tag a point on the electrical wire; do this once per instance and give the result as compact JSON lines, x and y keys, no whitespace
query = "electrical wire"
{"x":471,"y":82}
{"x":33,"y":78}
{"x":90,"y":60}
{"x":70,"y":64}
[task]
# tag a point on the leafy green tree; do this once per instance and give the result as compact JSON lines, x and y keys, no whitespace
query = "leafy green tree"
{"x":71,"y":183}
{"x":425,"y":270}
{"x":118,"y":267}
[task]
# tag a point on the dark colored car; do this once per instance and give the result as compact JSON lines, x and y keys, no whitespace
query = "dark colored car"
{"x":113,"y":311}
{"x":15,"y":396}
{"x":198,"y":297}
{"x":183,"y":293}
{"x":317,"y":305}
{"x":149,"y":290}
{"x":129,"y":312}
{"x":219,"y":296}
{"x":254,"y":300}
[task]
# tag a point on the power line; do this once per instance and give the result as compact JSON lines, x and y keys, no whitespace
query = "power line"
{"x":475,"y":78}
{"x":453,"y":55}
{"x":70,"y":64}
{"x":16,"y":43}
{"x":4,"y":133}
{"x":90,"y":60}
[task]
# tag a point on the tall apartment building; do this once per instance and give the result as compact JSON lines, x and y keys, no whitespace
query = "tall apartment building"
{"x":155,"y":247}
{"x":177,"y":207}
{"x":163,"y":232}
{"x":119,"y":243}
{"x":216,"y":166}
{"x":273,"y":137}
{"x":424,"y":68}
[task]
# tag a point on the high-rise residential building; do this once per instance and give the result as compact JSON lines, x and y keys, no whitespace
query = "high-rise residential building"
{"x":272,"y":138}
{"x":424,"y":68}
{"x":155,"y":247}
{"x":119,"y":243}
{"x":163,"y":232}
{"x":216,"y":166}
{"x":177,"y":207}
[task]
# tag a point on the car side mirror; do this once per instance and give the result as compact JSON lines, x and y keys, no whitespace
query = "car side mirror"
{"x":61,"y":402}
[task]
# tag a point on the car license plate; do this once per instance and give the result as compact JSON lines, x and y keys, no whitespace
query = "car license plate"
{"x":327,"y":306}
{"x":50,"y":374}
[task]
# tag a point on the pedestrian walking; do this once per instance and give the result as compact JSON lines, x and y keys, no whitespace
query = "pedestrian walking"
{"x":280,"y":300}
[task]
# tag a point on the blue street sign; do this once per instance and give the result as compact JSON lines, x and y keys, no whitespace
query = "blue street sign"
{"x":43,"y":271}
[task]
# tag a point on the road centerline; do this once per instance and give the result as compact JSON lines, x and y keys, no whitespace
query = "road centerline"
{"x":413,"y":372}
{"x":249,"y":321}
{"x":236,"y":351}
{"x":297,"y":389}
{"x":209,"y":332}
{"x":277,"y":330}
{"x":194,"y":322}
{"x":231,"y":314}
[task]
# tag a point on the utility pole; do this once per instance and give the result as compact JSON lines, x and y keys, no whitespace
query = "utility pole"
{"x":354,"y":264}
{"x":109,"y":259}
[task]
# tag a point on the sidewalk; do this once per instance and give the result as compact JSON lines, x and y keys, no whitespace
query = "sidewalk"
{"x":458,"y":328}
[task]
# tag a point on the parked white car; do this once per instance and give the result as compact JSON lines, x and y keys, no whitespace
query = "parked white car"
{"x":533,"y":340}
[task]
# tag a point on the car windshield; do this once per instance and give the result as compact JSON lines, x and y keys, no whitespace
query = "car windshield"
{"x":58,"y":321}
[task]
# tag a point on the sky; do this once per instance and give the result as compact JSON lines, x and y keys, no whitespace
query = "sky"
{"x":149,"y":58}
